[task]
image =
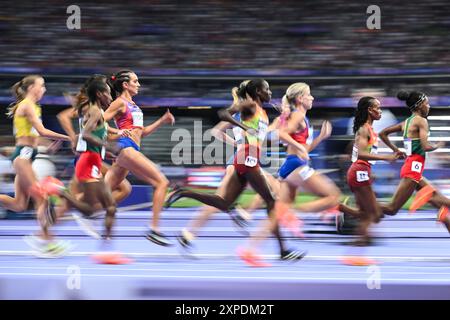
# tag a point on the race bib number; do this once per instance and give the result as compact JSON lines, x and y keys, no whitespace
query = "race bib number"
{"x":95,"y":173}
{"x":416,"y":166}
{"x":408,"y":146}
{"x":251,"y":161}
{"x":362,"y":176}
{"x":138,"y":118}
{"x":26,"y":153}
{"x":306,"y":172}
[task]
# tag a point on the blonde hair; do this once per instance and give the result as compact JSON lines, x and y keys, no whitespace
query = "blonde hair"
{"x":20,"y":90}
{"x":294,"y":90}
{"x":236,"y":90}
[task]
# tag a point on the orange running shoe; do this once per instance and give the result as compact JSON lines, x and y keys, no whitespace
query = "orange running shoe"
{"x":422,"y":197}
{"x":52,"y":185}
{"x":110,"y":258}
{"x":357,"y":261}
{"x":442,"y":214}
{"x":251,"y":258}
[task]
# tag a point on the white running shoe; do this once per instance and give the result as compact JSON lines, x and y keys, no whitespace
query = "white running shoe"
{"x":86,"y":226}
{"x":48,"y":249}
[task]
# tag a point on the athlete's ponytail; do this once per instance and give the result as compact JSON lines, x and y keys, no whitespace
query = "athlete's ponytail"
{"x":413,"y":99}
{"x":19,"y":90}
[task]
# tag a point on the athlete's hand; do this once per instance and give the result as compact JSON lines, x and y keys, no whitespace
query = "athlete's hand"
{"x":325,"y":132}
{"x":438,"y":145}
{"x":127,"y":133}
{"x":54,"y":146}
{"x":168,"y":118}
{"x":393,"y":157}
{"x":113,"y":148}
{"x":303,"y":152}
{"x":400,"y":154}
{"x":73,"y":144}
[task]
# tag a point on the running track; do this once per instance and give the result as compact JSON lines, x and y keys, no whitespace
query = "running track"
{"x":413,"y":253}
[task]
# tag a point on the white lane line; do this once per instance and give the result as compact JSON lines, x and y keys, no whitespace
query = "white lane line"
{"x":252,"y":271}
{"x":228,"y":256}
{"x":443,"y":281}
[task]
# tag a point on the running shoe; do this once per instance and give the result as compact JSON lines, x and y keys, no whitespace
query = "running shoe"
{"x":251,"y":258}
{"x":174,"y":196}
{"x":293,"y":255}
{"x":240,"y":219}
{"x":158,"y":238}
{"x":244,"y":214}
{"x":185,"y":243}
{"x":86,"y":226}
{"x":359,"y":261}
{"x":48,"y":249}
{"x":53,"y":186}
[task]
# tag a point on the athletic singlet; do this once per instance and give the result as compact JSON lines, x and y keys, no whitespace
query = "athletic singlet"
{"x":372,"y":147}
{"x":304,"y":136}
{"x":22,"y":126}
{"x":132,"y":118}
{"x":412,"y":145}
{"x":260,"y":123}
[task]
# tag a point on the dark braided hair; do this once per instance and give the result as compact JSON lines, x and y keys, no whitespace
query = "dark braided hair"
{"x":82,"y":98}
{"x":116,"y":82}
{"x":94,"y":87}
{"x":362,"y":112}
{"x":413,"y":99}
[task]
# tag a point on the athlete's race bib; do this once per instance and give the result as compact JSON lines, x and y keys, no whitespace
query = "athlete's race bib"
{"x":251,"y":161}
{"x":138,"y":118}
{"x":362,"y":176}
{"x":416,"y":166}
{"x":95,"y":173}
{"x":408,"y":146}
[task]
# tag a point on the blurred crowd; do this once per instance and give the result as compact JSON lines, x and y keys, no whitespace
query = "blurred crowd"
{"x":226,"y":35}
